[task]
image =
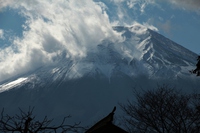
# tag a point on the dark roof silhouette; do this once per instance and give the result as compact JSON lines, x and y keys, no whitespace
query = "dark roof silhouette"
{"x":106,"y":126}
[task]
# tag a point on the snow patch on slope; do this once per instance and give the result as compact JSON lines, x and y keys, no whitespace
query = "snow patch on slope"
{"x":13,"y":84}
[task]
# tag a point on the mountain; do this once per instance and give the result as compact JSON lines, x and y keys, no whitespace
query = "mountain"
{"x":89,"y":87}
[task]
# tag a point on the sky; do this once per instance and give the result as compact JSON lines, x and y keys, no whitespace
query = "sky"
{"x":178,"y":20}
{"x":36,"y":32}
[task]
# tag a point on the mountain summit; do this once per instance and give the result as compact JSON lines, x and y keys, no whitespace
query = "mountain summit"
{"x":87,"y":87}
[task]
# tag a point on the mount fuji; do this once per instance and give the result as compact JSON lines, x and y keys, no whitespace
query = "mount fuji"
{"x":88,"y":88}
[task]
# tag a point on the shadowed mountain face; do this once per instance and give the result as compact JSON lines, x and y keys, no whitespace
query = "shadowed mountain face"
{"x":88,"y":87}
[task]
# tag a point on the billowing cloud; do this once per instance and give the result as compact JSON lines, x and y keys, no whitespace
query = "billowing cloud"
{"x":52,"y":27}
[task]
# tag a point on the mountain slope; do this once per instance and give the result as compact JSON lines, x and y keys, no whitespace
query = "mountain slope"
{"x":88,"y":87}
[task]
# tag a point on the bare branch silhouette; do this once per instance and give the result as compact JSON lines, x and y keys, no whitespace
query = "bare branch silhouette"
{"x":25,"y":122}
{"x":161,"y":111}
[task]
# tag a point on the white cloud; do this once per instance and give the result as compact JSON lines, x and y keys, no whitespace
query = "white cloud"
{"x":142,"y":4}
{"x":4,"y":3}
{"x":117,"y":1}
{"x":126,"y":11}
{"x":151,"y":27}
{"x":102,"y":5}
{"x":1,"y":34}
{"x":140,"y":29}
{"x":54,"y":27}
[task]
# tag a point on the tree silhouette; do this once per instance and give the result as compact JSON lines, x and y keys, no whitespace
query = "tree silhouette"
{"x":26,"y":122}
{"x":163,"y":110}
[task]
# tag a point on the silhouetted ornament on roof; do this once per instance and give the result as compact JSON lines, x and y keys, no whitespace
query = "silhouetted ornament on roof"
{"x":106,"y":126}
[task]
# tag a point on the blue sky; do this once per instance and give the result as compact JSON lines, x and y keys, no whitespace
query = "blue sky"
{"x":11,"y":24}
{"x":35,"y":32}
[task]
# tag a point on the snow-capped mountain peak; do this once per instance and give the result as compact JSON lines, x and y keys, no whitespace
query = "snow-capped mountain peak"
{"x":102,"y":78}
{"x":142,"y":52}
